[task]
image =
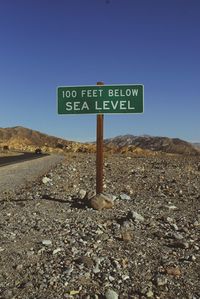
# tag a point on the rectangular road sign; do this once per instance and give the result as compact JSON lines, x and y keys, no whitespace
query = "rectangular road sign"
{"x":100,"y":99}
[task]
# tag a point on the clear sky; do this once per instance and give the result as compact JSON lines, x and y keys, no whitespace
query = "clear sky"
{"x":49,"y":43}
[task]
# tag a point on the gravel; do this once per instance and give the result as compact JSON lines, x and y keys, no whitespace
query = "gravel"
{"x":54,"y":245}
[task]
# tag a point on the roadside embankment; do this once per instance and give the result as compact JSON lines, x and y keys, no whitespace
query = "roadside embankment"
{"x":15,"y":176}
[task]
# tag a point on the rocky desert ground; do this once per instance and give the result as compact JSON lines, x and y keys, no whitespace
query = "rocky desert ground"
{"x":54,"y":245}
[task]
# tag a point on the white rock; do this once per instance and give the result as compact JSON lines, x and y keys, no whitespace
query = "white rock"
{"x":161,"y":281}
{"x":46,"y":180}
{"x":66,"y":283}
{"x":47,"y":242}
{"x":172,"y":207}
{"x":196,"y":223}
{"x":125,"y":277}
{"x":111,"y":278}
{"x":57,"y":250}
{"x":137,"y":216}
{"x":193,"y":258}
{"x":110,"y":294}
{"x":124,"y":196}
{"x":170,"y":220}
{"x":149,"y":294}
{"x":178,"y":236}
{"x":82,"y":193}
{"x":96,"y":269}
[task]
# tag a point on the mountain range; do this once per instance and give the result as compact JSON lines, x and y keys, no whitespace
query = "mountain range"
{"x":158,"y":144}
{"x":23,"y":139}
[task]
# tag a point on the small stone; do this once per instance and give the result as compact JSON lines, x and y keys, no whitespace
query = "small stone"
{"x":29,"y":253}
{"x":192,"y":258}
{"x":161,"y":281}
{"x":125,"y":277}
{"x":46,"y":180}
{"x":177,"y":236}
{"x":19,"y":267}
{"x":174,"y":271}
{"x":172,"y":208}
{"x":126,"y":235}
{"x":149,"y":294}
{"x":196,"y":223}
{"x":135,"y":216}
{"x":111,"y":278}
{"x":74,"y":292}
{"x":170,"y":220}
{"x":86,"y":260}
{"x":175,"y":227}
{"x":82,"y":193}
{"x":69,"y":270}
{"x":124,"y":196}
{"x":96,"y":269}
{"x":47,"y":242}
{"x":101,"y":201}
{"x":57,"y":250}
{"x":110,"y":294}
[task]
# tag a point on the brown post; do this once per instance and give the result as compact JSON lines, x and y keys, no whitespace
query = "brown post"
{"x":99,"y":152}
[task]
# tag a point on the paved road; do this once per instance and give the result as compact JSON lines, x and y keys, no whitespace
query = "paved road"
{"x":20,"y":158}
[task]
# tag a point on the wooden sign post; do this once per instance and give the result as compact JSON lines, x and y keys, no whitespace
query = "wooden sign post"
{"x":99,"y":152}
{"x":100,"y":99}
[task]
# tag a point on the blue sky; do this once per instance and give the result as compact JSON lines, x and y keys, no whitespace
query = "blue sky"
{"x":45,"y":44}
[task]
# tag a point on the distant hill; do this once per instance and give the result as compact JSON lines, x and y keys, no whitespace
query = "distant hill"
{"x":23,"y":139}
{"x":158,"y":144}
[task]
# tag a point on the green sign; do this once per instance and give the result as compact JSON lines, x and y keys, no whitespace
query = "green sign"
{"x":100,"y":99}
